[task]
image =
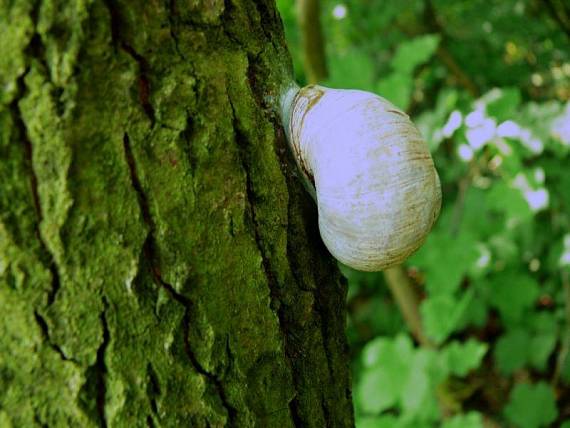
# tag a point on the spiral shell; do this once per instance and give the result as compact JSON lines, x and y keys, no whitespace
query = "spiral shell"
{"x":377,"y":190}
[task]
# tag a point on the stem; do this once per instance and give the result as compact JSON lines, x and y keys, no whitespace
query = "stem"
{"x":312,"y":40}
{"x":559,"y":15}
{"x":463,"y":186}
{"x":462,"y":78}
{"x":445,"y":56}
{"x":565,"y":342}
{"x":408,"y":301}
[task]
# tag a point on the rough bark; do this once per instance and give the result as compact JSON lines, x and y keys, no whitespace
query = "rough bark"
{"x":160,"y":264}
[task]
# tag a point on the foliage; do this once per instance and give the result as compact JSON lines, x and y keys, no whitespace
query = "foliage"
{"x":531,"y":405}
{"x":488,"y":84}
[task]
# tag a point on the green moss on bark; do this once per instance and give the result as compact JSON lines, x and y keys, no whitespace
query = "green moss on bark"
{"x":159,"y":262}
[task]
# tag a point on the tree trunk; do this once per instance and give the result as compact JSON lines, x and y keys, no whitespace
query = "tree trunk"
{"x":160,"y":263}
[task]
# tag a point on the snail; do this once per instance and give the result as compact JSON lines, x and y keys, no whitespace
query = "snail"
{"x":369,"y":170}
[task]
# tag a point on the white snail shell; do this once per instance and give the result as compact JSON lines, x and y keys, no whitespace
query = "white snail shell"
{"x":377,"y":190}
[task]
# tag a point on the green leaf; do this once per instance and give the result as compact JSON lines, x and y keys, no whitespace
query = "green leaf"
{"x":386,"y":421}
{"x":511,"y":351}
{"x":396,"y":88}
{"x":459,"y":253}
{"x":351,"y":70}
{"x":389,"y":421}
{"x":378,"y":390}
{"x":464,"y":357}
{"x":504,"y":248}
{"x":430,"y":122}
{"x":381,"y":350}
{"x":565,"y":373}
{"x":531,"y":406}
{"x":541,"y":347}
{"x":389,"y":324}
{"x":435,"y":315}
{"x":512,"y":293}
{"x":530,"y":344}
{"x":441,"y":314}
{"x":510,"y":201}
{"x":417,"y":396}
{"x":475,"y":314}
{"x":414,"y":52}
{"x":502,"y":103}
{"x":388,"y":364}
{"x":543,"y":341}
{"x":540,"y":118}
{"x":397,"y":375}
{"x":469,"y":420}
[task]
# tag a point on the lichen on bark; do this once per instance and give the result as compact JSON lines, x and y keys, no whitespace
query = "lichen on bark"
{"x":160,"y":264}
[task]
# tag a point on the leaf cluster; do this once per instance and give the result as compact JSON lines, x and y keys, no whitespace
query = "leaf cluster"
{"x":488,"y":84}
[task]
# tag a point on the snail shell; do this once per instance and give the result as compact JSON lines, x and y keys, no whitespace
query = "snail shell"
{"x":376,"y":187}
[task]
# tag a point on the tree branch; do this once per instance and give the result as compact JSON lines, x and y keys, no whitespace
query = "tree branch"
{"x":445,"y":56}
{"x":308,"y":14}
{"x":565,"y":341}
{"x":408,"y":301}
{"x":559,"y":15}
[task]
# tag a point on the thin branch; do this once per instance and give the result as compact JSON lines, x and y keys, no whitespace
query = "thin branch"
{"x":445,"y":56}
{"x":462,"y":78}
{"x":308,"y":14}
{"x":397,"y":280}
{"x":408,"y":301}
{"x":565,"y":342}
{"x":559,"y":15}
{"x":463,"y":186}
{"x":470,"y":86}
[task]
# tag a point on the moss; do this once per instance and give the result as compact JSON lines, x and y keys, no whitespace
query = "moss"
{"x":17,"y":30}
{"x":154,"y":256}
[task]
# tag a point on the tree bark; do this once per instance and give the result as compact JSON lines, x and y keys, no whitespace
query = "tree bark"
{"x":160,"y":263}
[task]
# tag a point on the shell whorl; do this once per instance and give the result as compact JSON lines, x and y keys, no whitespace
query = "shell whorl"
{"x":377,"y":190}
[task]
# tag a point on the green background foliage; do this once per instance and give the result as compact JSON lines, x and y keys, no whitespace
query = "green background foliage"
{"x":488,"y":84}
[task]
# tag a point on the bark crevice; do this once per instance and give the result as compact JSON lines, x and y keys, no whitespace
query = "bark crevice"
{"x":170,"y":6}
{"x":36,"y":50}
{"x":144,"y":81}
{"x":115,"y":24}
{"x":211,"y":377}
{"x":153,"y":390}
{"x":150,"y":252}
{"x":225,"y":17}
{"x":42,"y":324}
{"x":142,"y":64}
{"x":242,"y":143}
{"x":274,"y":289}
{"x":101,"y":368}
{"x":295,"y":414}
{"x":49,"y":257}
{"x":217,"y":291}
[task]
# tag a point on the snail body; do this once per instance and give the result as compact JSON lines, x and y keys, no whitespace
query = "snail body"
{"x":375,"y":184}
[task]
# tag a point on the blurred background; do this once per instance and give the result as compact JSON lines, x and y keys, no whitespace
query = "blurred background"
{"x":474,"y":330}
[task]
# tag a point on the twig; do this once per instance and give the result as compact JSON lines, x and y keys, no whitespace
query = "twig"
{"x":400,"y":285}
{"x":565,"y":341}
{"x":462,"y":78}
{"x":445,"y":56}
{"x":471,"y":87}
{"x":463,"y":186}
{"x":559,"y":15}
{"x":308,"y":14}
{"x":407,"y":300}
